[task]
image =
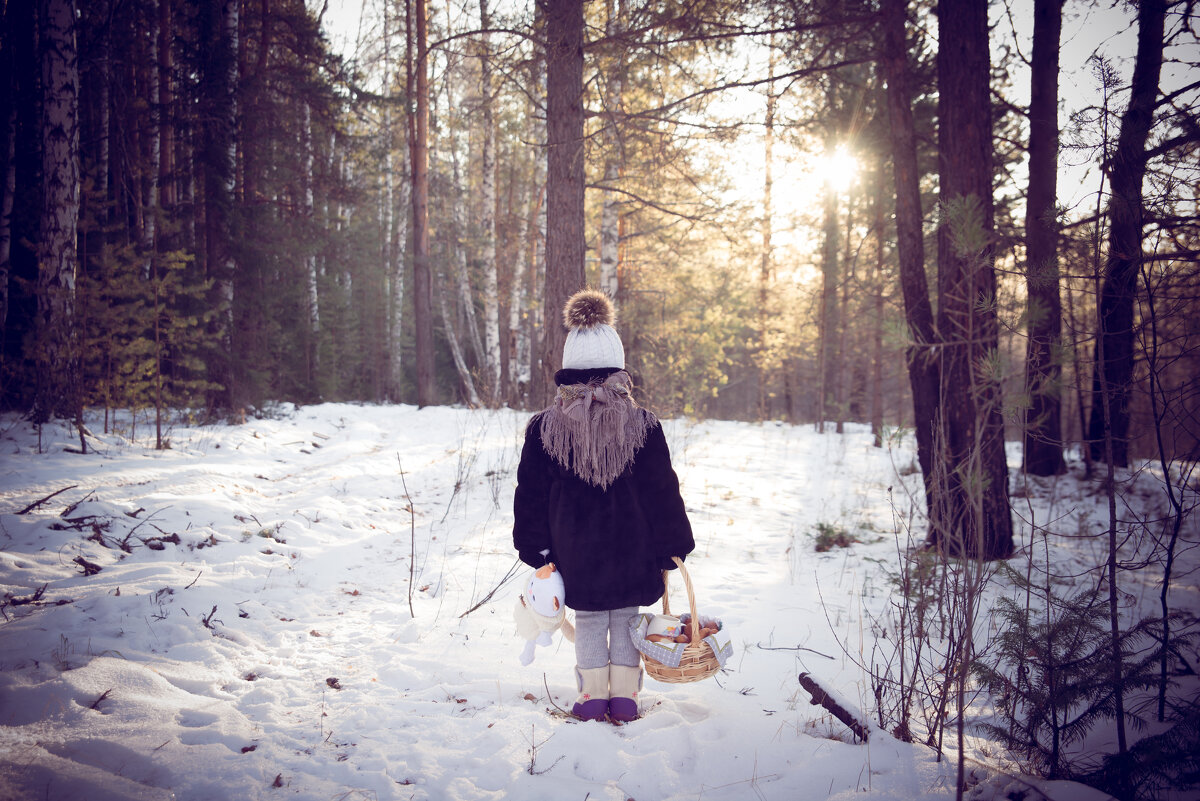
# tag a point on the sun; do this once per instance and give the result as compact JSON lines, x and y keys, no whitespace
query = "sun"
{"x":838,"y":169}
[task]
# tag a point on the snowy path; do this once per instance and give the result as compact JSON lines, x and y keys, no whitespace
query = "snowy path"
{"x":297,"y":533}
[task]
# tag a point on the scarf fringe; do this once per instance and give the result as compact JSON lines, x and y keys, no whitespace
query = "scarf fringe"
{"x":595,"y":430}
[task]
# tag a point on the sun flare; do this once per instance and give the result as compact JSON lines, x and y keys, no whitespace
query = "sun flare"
{"x":838,"y":169}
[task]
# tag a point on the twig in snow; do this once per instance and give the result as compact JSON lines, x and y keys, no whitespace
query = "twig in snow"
{"x":103,"y":695}
{"x":551,"y":698}
{"x":207,"y":619}
{"x":762,"y":647}
{"x":197,"y":578}
{"x":38,"y":503}
{"x":12,"y":600}
{"x":75,"y":505}
{"x":512,"y":571}
{"x":148,"y":518}
{"x":533,"y":747}
{"x":412,"y":528}
{"x":29,"y":600}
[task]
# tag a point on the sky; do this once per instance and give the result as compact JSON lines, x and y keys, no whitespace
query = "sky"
{"x":1088,"y":27}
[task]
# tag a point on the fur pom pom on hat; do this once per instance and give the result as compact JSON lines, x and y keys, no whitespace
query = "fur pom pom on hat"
{"x":592,"y":342}
{"x":588,"y":308}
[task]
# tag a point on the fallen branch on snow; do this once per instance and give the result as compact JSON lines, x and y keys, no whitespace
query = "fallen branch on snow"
{"x":38,"y":503}
{"x":836,"y":707}
{"x":89,"y":568}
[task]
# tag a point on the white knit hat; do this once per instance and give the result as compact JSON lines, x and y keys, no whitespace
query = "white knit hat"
{"x":592,"y":342}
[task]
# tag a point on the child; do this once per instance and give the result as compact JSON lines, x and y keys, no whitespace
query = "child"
{"x":596,"y":495}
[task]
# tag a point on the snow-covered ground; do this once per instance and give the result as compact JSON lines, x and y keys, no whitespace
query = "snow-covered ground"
{"x":253,"y":632}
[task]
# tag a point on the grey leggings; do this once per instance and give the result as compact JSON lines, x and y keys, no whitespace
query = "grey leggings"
{"x":603,"y":637}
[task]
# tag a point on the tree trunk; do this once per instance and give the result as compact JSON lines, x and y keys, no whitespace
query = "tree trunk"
{"x":397,"y":213}
{"x":829,"y":296}
{"x":1043,"y":362}
{"x":418,"y":130}
{"x":764,"y":270}
{"x":973,"y":517}
{"x":518,"y":294}
{"x":487,"y":218}
{"x":460,"y":364}
{"x":829,"y":273}
{"x":458,"y":218}
{"x":167,"y":194}
{"x":1113,"y":374}
{"x":312,"y":348}
{"x":843,"y":373}
{"x":524,"y":305}
{"x":396,"y":271}
{"x":152,"y":71}
{"x":57,"y":355}
{"x":877,"y":324}
{"x":219,"y":35}
{"x":910,"y":243}
{"x":8,"y":171}
{"x":565,"y":240}
{"x":613,"y":96}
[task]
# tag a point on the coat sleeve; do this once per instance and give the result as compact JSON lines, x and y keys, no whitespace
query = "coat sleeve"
{"x":670,"y":528}
{"x":531,"y":502}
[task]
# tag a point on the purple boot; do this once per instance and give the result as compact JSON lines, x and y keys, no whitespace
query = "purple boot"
{"x":592,"y":703}
{"x":624,"y":683}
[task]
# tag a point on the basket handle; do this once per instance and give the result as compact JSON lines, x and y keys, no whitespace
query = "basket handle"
{"x":694,"y":624}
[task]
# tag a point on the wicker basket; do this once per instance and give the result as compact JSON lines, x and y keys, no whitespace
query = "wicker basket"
{"x":698,"y":660}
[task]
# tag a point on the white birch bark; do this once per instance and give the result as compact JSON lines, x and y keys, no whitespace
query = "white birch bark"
{"x":460,"y":363}
{"x":764,"y":286}
{"x":150,"y":202}
{"x":459,"y":258}
{"x":609,"y":223}
{"x":105,"y":65}
{"x":466,"y":298}
{"x":399,"y":246}
{"x":57,"y":392}
{"x":533,"y":329}
{"x":487,"y":217}
{"x":518,"y":336}
{"x":393,"y":279}
{"x":539,"y":284}
{"x":314,"y":309}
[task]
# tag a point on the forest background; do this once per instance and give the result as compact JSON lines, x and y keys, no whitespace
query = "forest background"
{"x":232,"y":214}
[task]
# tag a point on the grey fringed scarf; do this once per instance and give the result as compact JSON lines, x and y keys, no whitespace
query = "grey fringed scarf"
{"x":595,"y":429}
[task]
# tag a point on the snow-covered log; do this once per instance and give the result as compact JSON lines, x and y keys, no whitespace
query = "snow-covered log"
{"x":836,"y":706}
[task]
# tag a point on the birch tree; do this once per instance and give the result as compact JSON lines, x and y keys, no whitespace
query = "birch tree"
{"x":487,"y":217}
{"x":57,"y":356}
{"x":524,"y":301}
{"x":611,"y":97}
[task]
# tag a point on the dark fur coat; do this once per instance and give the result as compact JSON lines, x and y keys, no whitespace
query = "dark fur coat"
{"x":611,"y":545}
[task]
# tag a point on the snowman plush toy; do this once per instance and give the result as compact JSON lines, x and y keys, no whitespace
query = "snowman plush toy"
{"x":540,"y":610}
